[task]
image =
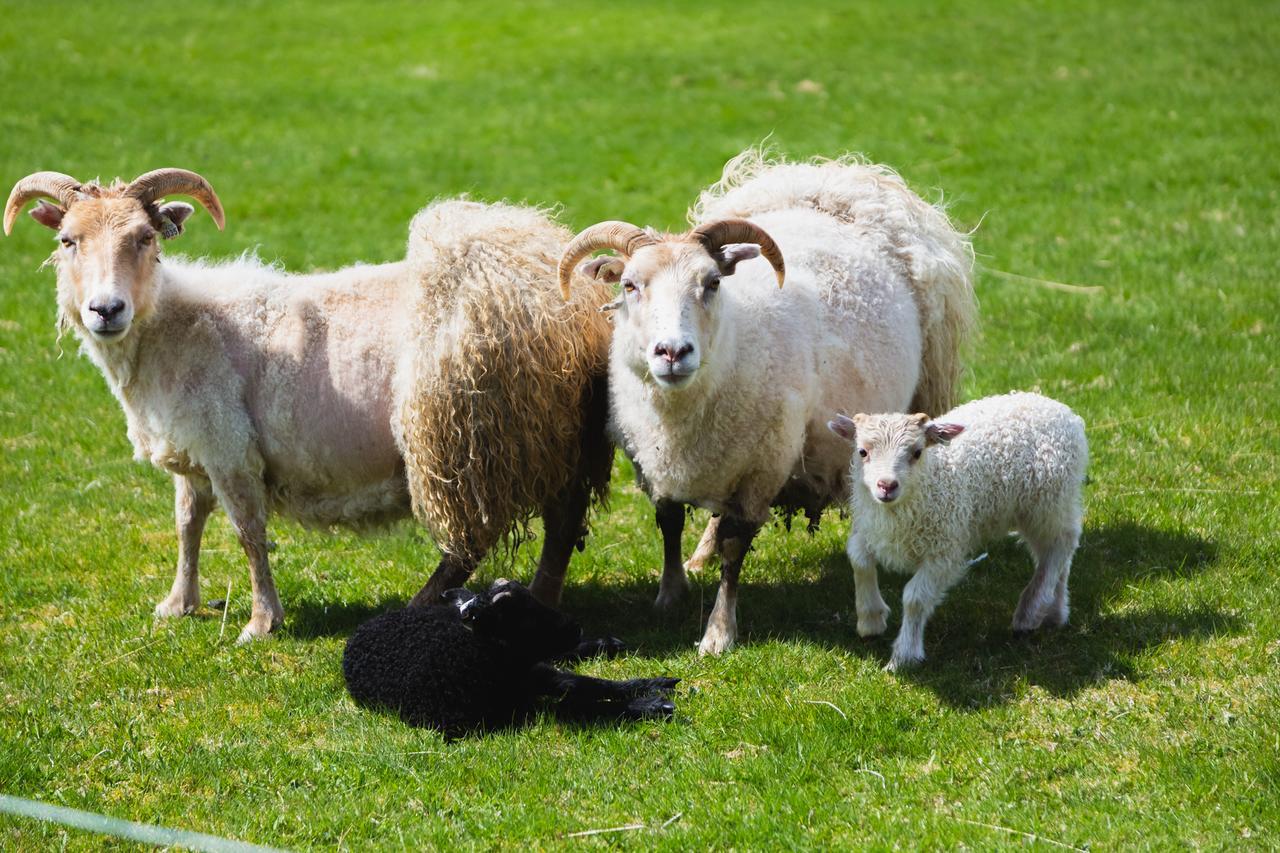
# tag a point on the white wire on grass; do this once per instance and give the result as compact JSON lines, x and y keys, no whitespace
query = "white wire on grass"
{"x":145,"y":833}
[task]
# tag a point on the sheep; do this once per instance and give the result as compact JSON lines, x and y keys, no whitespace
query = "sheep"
{"x":454,"y":384}
{"x":930,"y":492}
{"x":720,"y":383}
{"x":479,"y":661}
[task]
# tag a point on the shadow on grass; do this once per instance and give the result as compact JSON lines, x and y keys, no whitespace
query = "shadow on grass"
{"x":973,"y":658}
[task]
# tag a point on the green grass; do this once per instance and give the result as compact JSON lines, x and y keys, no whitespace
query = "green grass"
{"x":1126,"y":146}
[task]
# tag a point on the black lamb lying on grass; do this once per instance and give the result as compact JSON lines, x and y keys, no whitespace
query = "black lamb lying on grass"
{"x":480,"y":661}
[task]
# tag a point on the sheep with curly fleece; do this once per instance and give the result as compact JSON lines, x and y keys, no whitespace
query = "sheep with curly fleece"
{"x":481,"y":661}
{"x":455,"y":383}
{"x":927,"y":494}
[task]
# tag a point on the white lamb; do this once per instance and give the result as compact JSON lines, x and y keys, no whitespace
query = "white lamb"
{"x":932,"y":492}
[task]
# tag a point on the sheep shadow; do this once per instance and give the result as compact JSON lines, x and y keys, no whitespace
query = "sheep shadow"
{"x":974,"y":660}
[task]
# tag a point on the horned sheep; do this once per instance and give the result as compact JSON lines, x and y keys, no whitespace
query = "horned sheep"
{"x":454,"y":384}
{"x":721,"y":384}
{"x":928,"y":493}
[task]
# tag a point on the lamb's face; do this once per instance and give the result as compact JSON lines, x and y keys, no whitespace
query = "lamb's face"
{"x":508,"y":613}
{"x":888,"y":449}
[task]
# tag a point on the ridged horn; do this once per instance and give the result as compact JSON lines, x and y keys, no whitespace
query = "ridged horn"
{"x":162,"y":182}
{"x":55,"y":185}
{"x":623,"y":237}
{"x":713,"y":235}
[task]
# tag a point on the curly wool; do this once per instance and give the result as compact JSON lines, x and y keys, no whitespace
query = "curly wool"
{"x":1018,"y":464}
{"x":937,"y":258}
{"x":491,"y":405}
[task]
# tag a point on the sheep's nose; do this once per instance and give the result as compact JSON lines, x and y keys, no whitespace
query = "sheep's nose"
{"x":887,"y":486}
{"x":672,"y":351}
{"x":108,"y":309}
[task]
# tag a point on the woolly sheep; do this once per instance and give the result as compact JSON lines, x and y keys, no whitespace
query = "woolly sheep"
{"x":721,"y":383}
{"x":480,"y":661}
{"x":927,"y":494}
{"x":455,"y":384}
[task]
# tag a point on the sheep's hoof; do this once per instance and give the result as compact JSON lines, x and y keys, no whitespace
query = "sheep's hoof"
{"x":671,"y":596}
{"x":715,"y":642}
{"x":177,"y":605}
{"x":873,"y":625}
{"x":260,"y":625}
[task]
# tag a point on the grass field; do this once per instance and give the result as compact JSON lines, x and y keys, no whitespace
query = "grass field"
{"x":1130,"y":147}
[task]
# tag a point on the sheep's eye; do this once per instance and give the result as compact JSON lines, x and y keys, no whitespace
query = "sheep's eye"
{"x":712,"y":283}
{"x":629,"y":286}
{"x":146,"y":240}
{"x":915,"y":454}
{"x":68,"y":242}
{"x":862,"y":451}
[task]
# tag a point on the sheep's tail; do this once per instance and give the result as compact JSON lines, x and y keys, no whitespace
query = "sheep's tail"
{"x":939,"y":258}
{"x":503,"y":377}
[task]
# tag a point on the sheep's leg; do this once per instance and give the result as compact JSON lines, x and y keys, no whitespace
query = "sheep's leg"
{"x":722,"y":626}
{"x":564,"y":522}
{"x":453,"y":572}
{"x":872,"y":611}
{"x":922,"y":594}
{"x":244,"y":499}
{"x":675,"y":584}
{"x":1044,"y":600}
{"x":707,"y":548}
{"x":192,"y":503}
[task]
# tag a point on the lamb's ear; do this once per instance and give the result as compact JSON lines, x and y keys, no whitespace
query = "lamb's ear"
{"x":171,"y":215}
{"x":732,"y":254}
{"x":941,"y":433}
{"x":843,"y":426}
{"x":49,"y":215}
{"x":605,"y":268}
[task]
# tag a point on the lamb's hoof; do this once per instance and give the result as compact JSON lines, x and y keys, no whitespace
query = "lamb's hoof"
{"x":651,"y":708}
{"x":177,"y":605}
{"x":873,"y":625}
{"x":259,"y":626}
{"x":898,"y":663}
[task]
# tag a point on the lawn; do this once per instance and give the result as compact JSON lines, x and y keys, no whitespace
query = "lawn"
{"x":1126,"y":147}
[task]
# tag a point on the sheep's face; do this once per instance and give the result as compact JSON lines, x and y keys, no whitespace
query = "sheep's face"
{"x":106,"y":260}
{"x":508,"y":613}
{"x":668,"y":306}
{"x":889,"y":448}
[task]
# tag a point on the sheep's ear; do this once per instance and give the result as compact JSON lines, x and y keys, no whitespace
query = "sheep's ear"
{"x":941,"y":433}
{"x":605,"y":268}
{"x":49,"y":215}
{"x":843,"y":426}
{"x":171,"y":215}
{"x":731,"y":254}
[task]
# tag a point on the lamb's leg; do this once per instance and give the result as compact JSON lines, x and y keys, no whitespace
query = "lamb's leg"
{"x":192,"y":503}
{"x":245,"y":501}
{"x":707,"y":548}
{"x":922,"y":594}
{"x":722,"y":626}
{"x":1044,"y":600}
{"x":872,"y":611}
{"x":582,"y":698}
{"x":453,"y":572}
{"x":675,"y":584}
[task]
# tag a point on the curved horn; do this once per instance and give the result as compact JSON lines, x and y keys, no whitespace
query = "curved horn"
{"x":623,"y":237}
{"x":713,"y":235}
{"x":161,"y":182}
{"x":64,"y":188}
